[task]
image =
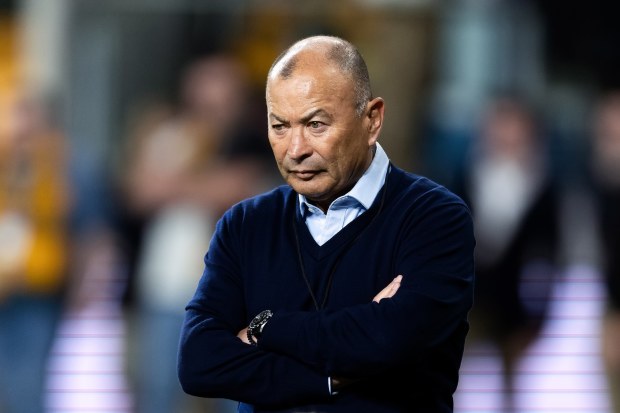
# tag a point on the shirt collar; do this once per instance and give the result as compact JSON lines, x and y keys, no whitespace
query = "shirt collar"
{"x":367,"y":187}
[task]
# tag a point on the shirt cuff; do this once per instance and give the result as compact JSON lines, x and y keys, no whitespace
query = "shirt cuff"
{"x":329,"y":386}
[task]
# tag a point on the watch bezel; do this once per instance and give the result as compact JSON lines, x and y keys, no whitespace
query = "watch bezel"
{"x":255,"y":329}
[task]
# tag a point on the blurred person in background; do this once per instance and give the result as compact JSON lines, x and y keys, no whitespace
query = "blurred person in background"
{"x":185,"y":167}
{"x":509,"y":186}
{"x":34,"y":207}
{"x":605,"y":169}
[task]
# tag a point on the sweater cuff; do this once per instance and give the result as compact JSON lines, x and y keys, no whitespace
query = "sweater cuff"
{"x":284,"y":333}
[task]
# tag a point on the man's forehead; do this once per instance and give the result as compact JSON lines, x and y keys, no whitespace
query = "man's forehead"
{"x":301,"y":83}
{"x":308,"y":90}
{"x":309,"y":76}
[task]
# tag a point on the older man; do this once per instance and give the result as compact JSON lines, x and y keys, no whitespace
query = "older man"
{"x":346,"y":290}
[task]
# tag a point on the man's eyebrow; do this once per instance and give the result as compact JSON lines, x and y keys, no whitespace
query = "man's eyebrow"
{"x":304,"y":119}
{"x":276,"y":117}
{"x":315,"y":113}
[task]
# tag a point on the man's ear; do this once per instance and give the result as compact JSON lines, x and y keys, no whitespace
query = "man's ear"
{"x":375,"y":112}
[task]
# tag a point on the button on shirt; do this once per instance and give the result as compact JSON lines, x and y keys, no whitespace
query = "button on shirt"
{"x":349,"y":206}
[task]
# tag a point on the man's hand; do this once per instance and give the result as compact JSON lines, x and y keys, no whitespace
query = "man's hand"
{"x":243,"y":335}
{"x":390,"y":290}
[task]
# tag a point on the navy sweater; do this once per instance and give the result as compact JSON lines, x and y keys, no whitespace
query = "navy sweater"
{"x":403,"y":353}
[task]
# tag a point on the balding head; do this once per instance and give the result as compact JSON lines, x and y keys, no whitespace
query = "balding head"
{"x":334,"y":51}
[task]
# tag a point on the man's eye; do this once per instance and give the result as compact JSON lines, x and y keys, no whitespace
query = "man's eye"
{"x":278,"y":126}
{"x":315,"y":124}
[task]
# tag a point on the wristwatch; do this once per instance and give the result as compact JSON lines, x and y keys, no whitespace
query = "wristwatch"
{"x":255,"y":329}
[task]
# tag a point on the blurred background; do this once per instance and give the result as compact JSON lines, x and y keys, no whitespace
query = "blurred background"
{"x":128,"y":127}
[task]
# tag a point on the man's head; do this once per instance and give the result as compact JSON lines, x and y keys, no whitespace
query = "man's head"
{"x":323,"y":121}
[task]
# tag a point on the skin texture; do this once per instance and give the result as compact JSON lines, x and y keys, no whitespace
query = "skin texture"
{"x":321,"y":146}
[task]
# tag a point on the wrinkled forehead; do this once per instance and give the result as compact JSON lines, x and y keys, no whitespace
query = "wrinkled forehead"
{"x":309,"y":90}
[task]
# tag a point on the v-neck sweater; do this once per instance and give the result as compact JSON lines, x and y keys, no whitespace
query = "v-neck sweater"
{"x":403,"y":352}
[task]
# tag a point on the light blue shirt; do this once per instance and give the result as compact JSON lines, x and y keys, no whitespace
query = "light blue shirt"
{"x":349,"y":206}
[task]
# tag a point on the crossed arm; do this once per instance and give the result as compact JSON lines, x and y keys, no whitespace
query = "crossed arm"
{"x":387,"y":292}
{"x":338,"y":383}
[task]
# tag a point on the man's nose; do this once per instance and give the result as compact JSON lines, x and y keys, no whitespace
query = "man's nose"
{"x":298,"y":147}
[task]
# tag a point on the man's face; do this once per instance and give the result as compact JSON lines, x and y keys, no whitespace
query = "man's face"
{"x":320,"y":144}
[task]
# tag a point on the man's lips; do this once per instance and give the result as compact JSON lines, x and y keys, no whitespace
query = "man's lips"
{"x":305,"y":173}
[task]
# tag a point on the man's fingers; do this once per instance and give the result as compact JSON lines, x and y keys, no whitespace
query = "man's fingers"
{"x":390,"y":290}
{"x":243,"y":335}
{"x":395,"y":285}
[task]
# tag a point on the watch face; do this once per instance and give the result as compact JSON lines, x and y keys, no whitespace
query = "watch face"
{"x":262,"y":317}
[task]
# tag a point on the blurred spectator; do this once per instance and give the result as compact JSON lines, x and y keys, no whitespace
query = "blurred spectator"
{"x":185,"y":168}
{"x":34,"y":206}
{"x":605,"y":165}
{"x":510,"y":189}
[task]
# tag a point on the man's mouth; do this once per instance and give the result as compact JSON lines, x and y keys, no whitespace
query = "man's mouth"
{"x":305,"y":174}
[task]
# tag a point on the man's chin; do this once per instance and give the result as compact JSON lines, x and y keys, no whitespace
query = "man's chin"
{"x":307,"y":189}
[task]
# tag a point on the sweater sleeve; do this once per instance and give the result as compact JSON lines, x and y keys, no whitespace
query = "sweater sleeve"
{"x":435,"y":257}
{"x":213,"y":362}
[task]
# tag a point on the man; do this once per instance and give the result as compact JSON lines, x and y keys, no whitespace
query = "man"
{"x":346,"y":290}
